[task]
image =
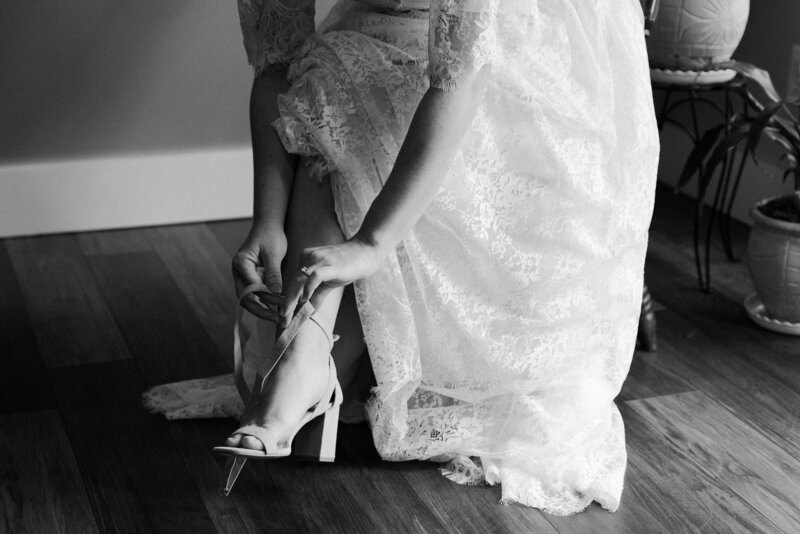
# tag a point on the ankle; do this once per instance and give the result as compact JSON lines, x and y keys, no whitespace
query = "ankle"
{"x":311,"y":343}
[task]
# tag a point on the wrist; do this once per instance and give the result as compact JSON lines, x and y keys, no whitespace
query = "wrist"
{"x":380,"y":245}
{"x":265,"y":226}
{"x":267,"y":222}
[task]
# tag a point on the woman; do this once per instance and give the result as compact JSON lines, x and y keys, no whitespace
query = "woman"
{"x":488,"y":190}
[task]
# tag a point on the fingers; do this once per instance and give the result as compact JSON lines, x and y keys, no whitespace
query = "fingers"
{"x":311,"y":284}
{"x":264,"y":305}
{"x":303,"y":285}
{"x":272,"y":273}
{"x":246,"y":271}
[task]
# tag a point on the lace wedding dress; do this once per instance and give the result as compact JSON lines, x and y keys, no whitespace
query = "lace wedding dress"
{"x":502,"y":327}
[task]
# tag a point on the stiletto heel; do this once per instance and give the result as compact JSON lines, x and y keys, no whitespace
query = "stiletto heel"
{"x":316,"y":429}
{"x":232,"y":469}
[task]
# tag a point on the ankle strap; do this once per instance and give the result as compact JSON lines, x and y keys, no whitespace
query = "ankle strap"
{"x":284,"y":340}
{"x":332,"y":338}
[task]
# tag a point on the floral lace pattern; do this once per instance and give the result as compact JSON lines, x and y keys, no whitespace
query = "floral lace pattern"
{"x":464,"y":470}
{"x":203,"y":397}
{"x":502,"y":327}
{"x":273,"y":29}
{"x":461,"y":38}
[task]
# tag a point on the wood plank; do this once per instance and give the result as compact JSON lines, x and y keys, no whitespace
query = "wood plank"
{"x":158,"y":323}
{"x":230,"y":234}
{"x":169,"y":344}
{"x":24,"y":383}
{"x":682,"y":497}
{"x":70,"y":318}
{"x":672,"y":228}
{"x":195,"y":439}
{"x":383,"y":490}
{"x":647,"y":379}
{"x":133,"y":472}
{"x":288,"y":495}
{"x":457,"y":509}
{"x":303,"y":497}
{"x":717,"y":351}
{"x":633,"y":512}
{"x":724,"y":320}
{"x":114,"y":241}
{"x":730,"y":451}
{"x":205,"y":282}
{"x":40,"y":489}
{"x":280,"y":495}
{"x":469,"y":508}
{"x":388,"y":498}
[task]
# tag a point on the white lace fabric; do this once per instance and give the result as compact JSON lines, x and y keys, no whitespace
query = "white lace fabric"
{"x":461,"y":38}
{"x":273,"y":29}
{"x":502,"y":327}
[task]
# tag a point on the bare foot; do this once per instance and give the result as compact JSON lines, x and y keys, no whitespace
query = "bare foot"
{"x":295,"y":385}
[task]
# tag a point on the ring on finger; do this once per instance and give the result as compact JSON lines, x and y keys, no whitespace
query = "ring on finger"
{"x":305,"y":270}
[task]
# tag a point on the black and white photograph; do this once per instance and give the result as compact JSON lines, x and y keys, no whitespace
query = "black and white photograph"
{"x":400,"y":266}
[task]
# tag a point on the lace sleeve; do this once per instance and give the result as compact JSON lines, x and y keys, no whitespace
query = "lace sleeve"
{"x":273,"y":29}
{"x":461,"y":39}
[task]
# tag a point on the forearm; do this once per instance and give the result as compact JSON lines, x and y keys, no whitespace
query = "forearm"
{"x":273,"y":167}
{"x":433,"y":138}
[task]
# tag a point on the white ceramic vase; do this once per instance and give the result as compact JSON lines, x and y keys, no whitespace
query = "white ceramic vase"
{"x":696,"y":34}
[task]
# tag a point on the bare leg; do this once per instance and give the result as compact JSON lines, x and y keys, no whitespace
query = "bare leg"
{"x":311,"y":221}
{"x":299,"y":380}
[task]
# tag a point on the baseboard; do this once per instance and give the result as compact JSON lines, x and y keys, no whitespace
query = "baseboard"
{"x":125,"y":191}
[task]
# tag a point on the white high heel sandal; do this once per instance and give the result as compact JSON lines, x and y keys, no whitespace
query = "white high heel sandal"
{"x":314,"y":437}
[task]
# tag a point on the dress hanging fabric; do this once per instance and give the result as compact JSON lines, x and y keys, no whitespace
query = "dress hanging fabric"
{"x":502,"y":327}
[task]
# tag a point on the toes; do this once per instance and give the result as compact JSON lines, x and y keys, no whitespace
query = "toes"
{"x":234,"y":440}
{"x":250,"y":442}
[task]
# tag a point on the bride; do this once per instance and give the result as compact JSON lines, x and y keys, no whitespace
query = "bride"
{"x":482,"y":172}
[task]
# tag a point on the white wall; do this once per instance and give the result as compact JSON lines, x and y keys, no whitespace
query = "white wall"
{"x":122,"y":114}
{"x":96,"y":77}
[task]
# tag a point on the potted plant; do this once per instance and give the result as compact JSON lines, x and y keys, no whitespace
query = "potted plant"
{"x":774,"y":243}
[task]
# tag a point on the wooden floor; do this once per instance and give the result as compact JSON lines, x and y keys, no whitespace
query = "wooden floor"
{"x":88,"y":321}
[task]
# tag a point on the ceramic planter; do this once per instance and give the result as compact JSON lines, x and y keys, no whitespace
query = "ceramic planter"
{"x":773,"y":252}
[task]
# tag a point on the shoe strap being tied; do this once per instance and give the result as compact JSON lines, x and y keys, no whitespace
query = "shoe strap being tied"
{"x":238,"y":357}
{"x":282,"y":343}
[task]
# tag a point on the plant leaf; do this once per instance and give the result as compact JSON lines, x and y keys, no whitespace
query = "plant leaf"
{"x":760,"y":76}
{"x":788,"y":156}
{"x":701,"y":149}
{"x":758,"y":126}
{"x":776,"y":136}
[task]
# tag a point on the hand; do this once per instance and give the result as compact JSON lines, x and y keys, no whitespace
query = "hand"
{"x":329,"y":267}
{"x":259,"y":261}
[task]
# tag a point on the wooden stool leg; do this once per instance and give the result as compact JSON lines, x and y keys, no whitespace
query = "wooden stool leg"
{"x":646,"y":338}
